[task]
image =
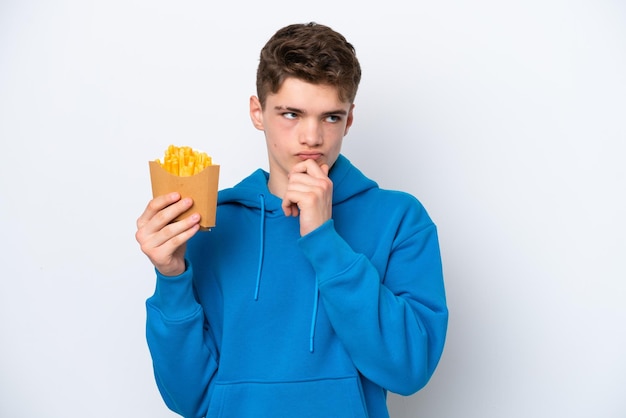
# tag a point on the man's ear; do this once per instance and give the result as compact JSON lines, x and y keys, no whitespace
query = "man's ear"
{"x":256,"y":113}
{"x":349,"y":120}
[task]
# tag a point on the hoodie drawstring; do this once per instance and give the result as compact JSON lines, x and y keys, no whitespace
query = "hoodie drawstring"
{"x":261,"y":247}
{"x":314,"y":316}
{"x":260,"y":268}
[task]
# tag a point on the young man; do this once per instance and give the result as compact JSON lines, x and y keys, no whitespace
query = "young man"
{"x":316,"y":292}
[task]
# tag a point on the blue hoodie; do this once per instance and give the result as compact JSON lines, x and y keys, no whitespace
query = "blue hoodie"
{"x":265,"y":323}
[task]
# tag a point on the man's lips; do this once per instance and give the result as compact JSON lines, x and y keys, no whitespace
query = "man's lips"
{"x":309,"y":155}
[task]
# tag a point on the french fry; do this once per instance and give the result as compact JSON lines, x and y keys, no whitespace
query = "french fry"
{"x":184,"y":161}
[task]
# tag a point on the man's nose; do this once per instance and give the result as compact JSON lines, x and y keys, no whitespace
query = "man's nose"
{"x":311,"y":132}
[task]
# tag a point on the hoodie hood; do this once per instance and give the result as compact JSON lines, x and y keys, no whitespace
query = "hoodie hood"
{"x":347,"y":181}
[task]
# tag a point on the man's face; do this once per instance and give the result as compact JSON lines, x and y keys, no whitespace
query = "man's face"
{"x":301,"y":121}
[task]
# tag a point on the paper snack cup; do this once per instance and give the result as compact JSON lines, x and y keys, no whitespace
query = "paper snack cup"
{"x":201,"y":187}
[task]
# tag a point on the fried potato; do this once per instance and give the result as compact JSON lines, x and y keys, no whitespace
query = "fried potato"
{"x":184,"y":161}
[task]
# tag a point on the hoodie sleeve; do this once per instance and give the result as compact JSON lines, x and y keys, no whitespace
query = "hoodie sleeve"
{"x":183,"y":360}
{"x":394,"y":324}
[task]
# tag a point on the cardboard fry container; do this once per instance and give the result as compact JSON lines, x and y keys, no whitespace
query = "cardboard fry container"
{"x":201,"y":187}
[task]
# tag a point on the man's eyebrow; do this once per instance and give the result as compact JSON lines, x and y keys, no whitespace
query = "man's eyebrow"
{"x":337,"y":112}
{"x":290,"y":109}
{"x":296,"y":110}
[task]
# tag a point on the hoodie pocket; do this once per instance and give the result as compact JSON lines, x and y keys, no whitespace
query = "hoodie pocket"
{"x":325,"y":398}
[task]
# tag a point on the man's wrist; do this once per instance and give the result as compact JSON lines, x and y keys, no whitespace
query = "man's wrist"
{"x":173,"y":270}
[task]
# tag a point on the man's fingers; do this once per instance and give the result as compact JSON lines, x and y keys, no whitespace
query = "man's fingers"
{"x":290,"y":208}
{"x":169,"y":213}
{"x":155,"y":205}
{"x":155,"y":225}
{"x":311,"y":168}
{"x":304,"y":182}
{"x":174,"y":234}
{"x":308,"y":187}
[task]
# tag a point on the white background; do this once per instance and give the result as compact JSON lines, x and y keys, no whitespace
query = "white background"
{"x":506,"y":119}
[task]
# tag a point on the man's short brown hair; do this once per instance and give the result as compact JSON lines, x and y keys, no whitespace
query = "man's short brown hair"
{"x":310,"y":52}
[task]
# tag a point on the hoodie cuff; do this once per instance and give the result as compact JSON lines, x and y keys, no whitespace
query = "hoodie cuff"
{"x":174,"y":295}
{"x":327,"y":251}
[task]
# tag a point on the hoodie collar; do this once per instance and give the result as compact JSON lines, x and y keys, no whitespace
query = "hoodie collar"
{"x":347,"y":181}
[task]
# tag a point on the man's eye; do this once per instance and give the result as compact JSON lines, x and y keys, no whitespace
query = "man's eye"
{"x":333,"y":118}
{"x":290,"y":115}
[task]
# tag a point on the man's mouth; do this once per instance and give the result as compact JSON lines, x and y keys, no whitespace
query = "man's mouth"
{"x":310,"y":155}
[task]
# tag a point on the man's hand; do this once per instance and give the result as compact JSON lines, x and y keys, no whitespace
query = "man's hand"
{"x":162,"y":240}
{"x":309,"y":195}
